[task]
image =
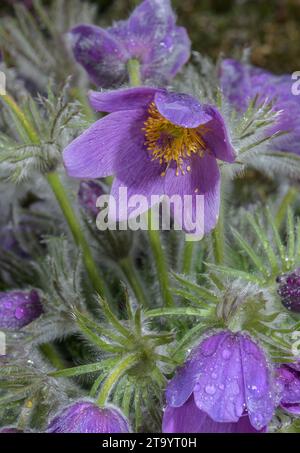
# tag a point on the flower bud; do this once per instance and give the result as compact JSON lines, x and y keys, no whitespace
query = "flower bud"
{"x":19,"y":308}
{"x":289,"y":290}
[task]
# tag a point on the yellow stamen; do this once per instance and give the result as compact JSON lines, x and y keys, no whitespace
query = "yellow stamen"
{"x":168,"y":142}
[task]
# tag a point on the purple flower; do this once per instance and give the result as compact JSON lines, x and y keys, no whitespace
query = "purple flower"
{"x":289,"y":379}
{"x":150,"y":35}
{"x":86,"y":417}
{"x":226,"y":385}
{"x":10,"y":430}
{"x":19,"y":308}
{"x":88,"y":194}
{"x":289,"y":290}
{"x":242,"y":83}
{"x":156,"y":143}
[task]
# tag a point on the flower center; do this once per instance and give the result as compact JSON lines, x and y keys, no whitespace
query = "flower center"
{"x":169,"y":143}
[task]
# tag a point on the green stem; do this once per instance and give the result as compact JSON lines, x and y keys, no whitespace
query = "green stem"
{"x":128,"y":268}
{"x":218,"y":239}
{"x":63,"y":201}
{"x":289,"y":198}
{"x":133,"y":68}
{"x":188,"y":253}
{"x":50,"y":352}
{"x":161,"y":266}
{"x":114,"y":376}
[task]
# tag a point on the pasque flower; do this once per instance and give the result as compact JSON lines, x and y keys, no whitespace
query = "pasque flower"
{"x":226,"y":385}
{"x":241,"y":83}
{"x":289,"y":290}
{"x":85,"y":417}
{"x":156,"y":143}
{"x":19,"y":308}
{"x":150,"y":35}
{"x":289,"y":378}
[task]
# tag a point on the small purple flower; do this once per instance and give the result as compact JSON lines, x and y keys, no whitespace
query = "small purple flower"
{"x":86,"y":417}
{"x":19,"y":308}
{"x":88,"y":194}
{"x":289,"y":290}
{"x":156,"y":143}
{"x":10,"y":430}
{"x":150,"y":35}
{"x":289,"y":379}
{"x":226,"y":385}
{"x":242,"y":83}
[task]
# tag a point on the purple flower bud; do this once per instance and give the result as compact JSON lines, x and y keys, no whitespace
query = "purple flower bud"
{"x":226,"y":385}
{"x":289,"y":379}
{"x":85,"y":417}
{"x":88,"y":194}
{"x":289,"y":290}
{"x":18,"y":308}
{"x":10,"y":430}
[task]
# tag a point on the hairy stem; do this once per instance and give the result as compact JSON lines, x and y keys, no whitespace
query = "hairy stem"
{"x":63,"y":201}
{"x":114,"y":376}
{"x":133,"y":278}
{"x":289,"y":198}
{"x":133,"y":68}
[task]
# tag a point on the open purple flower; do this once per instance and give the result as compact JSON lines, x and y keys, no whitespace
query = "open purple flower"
{"x":156,"y":143}
{"x":289,"y":290}
{"x":289,"y":379}
{"x":226,"y":385}
{"x":19,"y":308}
{"x":85,"y":417}
{"x":242,"y":83}
{"x":150,"y":35}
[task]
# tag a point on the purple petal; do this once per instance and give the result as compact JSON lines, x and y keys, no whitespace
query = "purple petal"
{"x":104,"y":146}
{"x":100,"y":53}
{"x":289,"y":378}
{"x":140,"y":176}
{"x":182,"y":385}
{"x":258,"y":383}
{"x":181,"y":109}
{"x":203,"y":179}
{"x":19,"y":308}
{"x":190,"y":419}
{"x":123,"y":99}
{"x":86,"y":417}
{"x":219,"y":390}
{"x":216,"y":137}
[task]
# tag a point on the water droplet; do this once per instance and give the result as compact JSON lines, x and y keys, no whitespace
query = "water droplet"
{"x":210,"y":389}
{"x":19,"y":313}
{"x":226,"y":354}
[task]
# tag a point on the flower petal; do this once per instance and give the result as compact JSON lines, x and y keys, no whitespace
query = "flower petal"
{"x":258,"y":384}
{"x":101,"y":54}
{"x":217,"y":137}
{"x":182,"y":385}
{"x":189,"y":419}
{"x":219,"y":388}
{"x":181,"y":109}
{"x":123,"y":99}
{"x":289,"y":378}
{"x":203,"y":179}
{"x":104,"y":146}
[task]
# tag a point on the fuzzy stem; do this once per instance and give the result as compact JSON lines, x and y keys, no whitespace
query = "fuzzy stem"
{"x":289,"y":198}
{"x":218,"y":239}
{"x":128,"y":268}
{"x":114,"y":376}
{"x":188,"y":253}
{"x":50,"y":352}
{"x":133,"y":68}
{"x":63,"y":201}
